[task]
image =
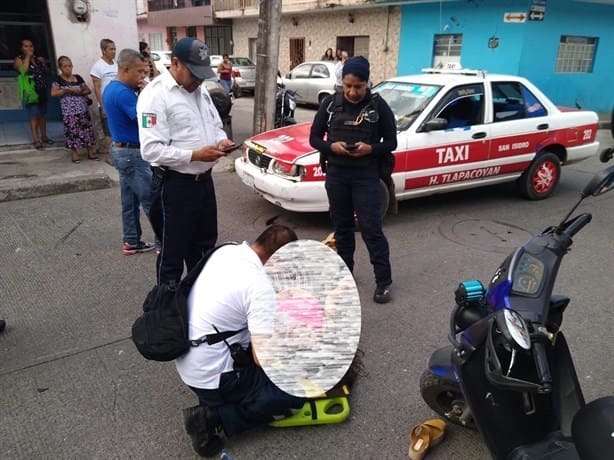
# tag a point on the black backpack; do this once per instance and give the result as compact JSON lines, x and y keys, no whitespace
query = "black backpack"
{"x":161,"y":332}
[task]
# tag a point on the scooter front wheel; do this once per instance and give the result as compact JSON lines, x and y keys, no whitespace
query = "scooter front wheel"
{"x":445,"y":398}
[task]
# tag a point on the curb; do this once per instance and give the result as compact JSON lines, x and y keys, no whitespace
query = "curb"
{"x":82,"y":184}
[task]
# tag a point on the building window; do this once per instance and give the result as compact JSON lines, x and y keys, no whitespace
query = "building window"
{"x":156,"y":42}
{"x":191,"y":31}
{"x":447,"y":50}
{"x":576,"y":54}
{"x":219,"y":39}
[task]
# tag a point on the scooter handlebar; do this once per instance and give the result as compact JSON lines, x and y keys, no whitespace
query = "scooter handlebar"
{"x":570,"y":228}
{"x":543,"y":367}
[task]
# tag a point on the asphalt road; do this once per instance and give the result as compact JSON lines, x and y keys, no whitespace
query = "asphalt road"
{"x":72,"y":385}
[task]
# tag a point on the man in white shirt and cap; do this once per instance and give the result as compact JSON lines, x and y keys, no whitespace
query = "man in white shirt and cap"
{"x":182,"y":136}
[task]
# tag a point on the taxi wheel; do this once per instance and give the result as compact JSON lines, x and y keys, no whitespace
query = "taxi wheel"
{"x":384,"y":198}
{"x":538,"y":182}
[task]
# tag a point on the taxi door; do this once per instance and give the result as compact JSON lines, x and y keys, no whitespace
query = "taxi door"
{"x":519,"y":125}
{"x":452,"y":143}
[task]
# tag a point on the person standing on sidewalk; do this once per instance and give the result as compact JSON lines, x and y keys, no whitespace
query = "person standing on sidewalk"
{"x":224,"y":71}
{"x":119,"y":99}
{"x":182,"y":136}
{"x":354,"y":132}
{"x":104,"y":71}
{"x":37,"y":69}
{"x":74,"y":102}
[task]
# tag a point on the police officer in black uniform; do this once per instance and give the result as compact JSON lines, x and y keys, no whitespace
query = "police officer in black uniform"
{"x":355,"y":132}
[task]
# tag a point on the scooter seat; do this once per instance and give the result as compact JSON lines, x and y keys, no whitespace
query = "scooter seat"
{"x":593,"y":429}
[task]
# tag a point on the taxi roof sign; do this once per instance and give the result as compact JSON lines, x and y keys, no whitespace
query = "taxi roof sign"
{"x":455,"y":71}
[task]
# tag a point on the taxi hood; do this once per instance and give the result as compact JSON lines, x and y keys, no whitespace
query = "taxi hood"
{"x":286,"y":144}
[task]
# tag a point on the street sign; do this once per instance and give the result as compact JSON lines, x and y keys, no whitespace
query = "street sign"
{"x":536,"y":16}
{"x":538,"y":10}
{"x":515,"y":17}
{"x":538,"y":5}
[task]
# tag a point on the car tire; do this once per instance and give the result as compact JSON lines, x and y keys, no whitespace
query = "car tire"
{"x":221,"y":100}
{"x":321,"y":98}
{"x":539,"y":181}
{"x":236,"y":91}
{"x":384,"y":198}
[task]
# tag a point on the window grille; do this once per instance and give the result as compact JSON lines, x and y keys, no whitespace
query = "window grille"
{"x":576,"y":54}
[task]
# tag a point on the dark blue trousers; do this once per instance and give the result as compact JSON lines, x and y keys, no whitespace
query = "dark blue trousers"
{"x":184,"y":217}
{"x":358,"y":189}
{"x":246,"y":398}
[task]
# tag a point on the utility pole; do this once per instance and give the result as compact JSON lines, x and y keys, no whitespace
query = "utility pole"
{"x":267,"y":64}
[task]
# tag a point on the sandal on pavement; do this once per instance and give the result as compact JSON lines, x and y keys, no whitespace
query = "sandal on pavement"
{"x":48,"y":141}
{"x":424,"y":436}
{"x":38,"y":145}
{"x":438,"y":430}
{"x":419,"y":442}
{"x":93,"y":157}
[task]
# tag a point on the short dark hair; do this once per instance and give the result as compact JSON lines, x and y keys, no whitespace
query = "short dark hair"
{"x":105,"y":42}
{"x":143,"y":46}
{"x":274,"y":237}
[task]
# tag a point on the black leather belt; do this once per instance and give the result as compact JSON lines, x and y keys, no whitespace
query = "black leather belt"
{"x":126,"y":145}
{"x":166,"y":173}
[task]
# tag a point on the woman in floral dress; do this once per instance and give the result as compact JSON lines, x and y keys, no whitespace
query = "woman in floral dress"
{"x":74,"y":102}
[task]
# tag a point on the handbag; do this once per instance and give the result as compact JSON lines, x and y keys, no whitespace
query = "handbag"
{"x":27,"y":88}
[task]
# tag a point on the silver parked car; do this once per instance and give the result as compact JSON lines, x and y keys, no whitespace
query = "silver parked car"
{"x":312,"y":81}
{"x":243,"y":73}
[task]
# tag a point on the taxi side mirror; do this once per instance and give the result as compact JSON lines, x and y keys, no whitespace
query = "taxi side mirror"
{"x":436,"y":124}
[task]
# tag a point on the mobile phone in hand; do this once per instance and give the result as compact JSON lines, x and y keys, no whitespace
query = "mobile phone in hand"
{"x":229,"y":148}
{"x":351,"y":147}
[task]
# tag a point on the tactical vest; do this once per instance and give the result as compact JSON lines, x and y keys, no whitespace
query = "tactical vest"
{"x":351,"y":128}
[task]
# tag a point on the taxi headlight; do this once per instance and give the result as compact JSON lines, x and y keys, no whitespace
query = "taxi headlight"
{"x":285,"y":169}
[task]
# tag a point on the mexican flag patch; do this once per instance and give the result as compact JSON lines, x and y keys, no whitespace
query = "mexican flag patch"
{"x":148,"y":120}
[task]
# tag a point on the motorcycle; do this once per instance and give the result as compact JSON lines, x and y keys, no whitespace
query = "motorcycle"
{"x":285,"y":105}
{"x":508,"y":371}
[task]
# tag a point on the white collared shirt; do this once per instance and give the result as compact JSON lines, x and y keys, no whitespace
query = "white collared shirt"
{"x":232,"y":292}
{"x":173,"y":123}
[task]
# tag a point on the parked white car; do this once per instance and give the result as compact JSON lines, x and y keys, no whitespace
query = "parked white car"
{"x":455,"y":130}
{"x":312,"y":81}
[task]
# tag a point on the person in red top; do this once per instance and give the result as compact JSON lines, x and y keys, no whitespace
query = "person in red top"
{"x":224,"y":71}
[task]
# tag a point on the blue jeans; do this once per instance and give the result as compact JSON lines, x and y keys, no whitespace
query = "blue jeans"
{"x":246,"y":398}
{"x":227,"y":84}
{"x":358,"y":189}
{"x":135,"y":185}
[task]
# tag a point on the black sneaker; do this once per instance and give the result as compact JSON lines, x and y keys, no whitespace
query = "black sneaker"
{"x":382,"y":293}
{"x":203,"y":426}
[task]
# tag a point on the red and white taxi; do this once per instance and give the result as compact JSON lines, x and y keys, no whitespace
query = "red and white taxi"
{"x":455,"y":130}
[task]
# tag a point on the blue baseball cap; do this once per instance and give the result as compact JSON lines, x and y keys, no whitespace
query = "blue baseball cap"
{"x":194,"y":54}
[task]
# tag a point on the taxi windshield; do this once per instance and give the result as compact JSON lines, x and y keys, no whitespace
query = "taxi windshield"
{"x":407,"y":100}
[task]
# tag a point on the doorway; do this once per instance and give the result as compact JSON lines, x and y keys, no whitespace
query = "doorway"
{"x":20,"y":20}
{"x":297,"y":52}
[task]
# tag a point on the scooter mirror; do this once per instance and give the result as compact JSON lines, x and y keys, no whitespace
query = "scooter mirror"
{"x":601,"y":183}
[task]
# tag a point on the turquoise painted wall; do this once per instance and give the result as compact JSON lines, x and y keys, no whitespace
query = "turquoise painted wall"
{"x":528,"y":49}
